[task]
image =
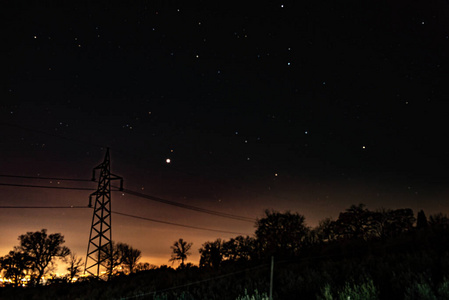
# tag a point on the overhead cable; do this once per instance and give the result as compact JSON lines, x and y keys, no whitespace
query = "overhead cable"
{"x":46,"y":178}
{"x":47,"y":187}
{"x":190,"y":207}
{"x":175,"y":224}
{"x":41,"y":207}
{"x":125,"y":215}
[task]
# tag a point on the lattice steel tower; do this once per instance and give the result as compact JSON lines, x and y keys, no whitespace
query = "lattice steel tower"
{"x":99,"y":249}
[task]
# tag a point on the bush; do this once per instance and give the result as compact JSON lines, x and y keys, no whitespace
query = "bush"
{"x":326,"y":293}
{"x":421,"y":290}
{"x":256,"y":296}
{"x":443,"y":289}
{"x":182,"y":296}
{"x":363,"y":291}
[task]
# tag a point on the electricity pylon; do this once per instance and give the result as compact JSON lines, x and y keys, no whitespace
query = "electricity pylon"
{"x":99,"y":249}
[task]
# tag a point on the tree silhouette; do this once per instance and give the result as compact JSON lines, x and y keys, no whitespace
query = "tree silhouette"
{"x":42,"y":249}
{"x":124,"y":256}
{"x":14,"y":266}
{"x":439,"y":222}
{"x":386,"y":223}
{"x":281,"y":233}
{"x":75,"y":265}
{"x":211,"y":254}
{"x":113,"y":261}
{"x":421,"y":221}
{"x":239,"y":248}
{"x":129,"y":256}
{"x":144,"y":267}
{"x":399,"y":221}
{"x":180,"y":251}
{"x":356,"y":222}
{"x":325,"y":230}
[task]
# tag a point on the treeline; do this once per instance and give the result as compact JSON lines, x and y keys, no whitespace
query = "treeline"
{"x":37,"y":252}
{"x":286,"y":235}
{"x":363,"y":254}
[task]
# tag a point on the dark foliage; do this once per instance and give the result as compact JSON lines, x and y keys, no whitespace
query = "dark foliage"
{"x":362,"y":255}
{"x":35,"y":256}
{"x":281,"y":234}
{"x":421,"y":221}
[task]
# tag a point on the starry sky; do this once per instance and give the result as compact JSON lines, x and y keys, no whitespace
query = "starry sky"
{"x":308,"y":106}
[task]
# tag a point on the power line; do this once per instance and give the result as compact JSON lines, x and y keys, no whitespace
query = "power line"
{"x":175,"y":224}
{"x":47,"y":187}
{"x":96,"y":145}
{"x":46,"y":178}
{"x":137,"y":194}
{"x":190,"y":207}
{"x":39,"y":207}
{"x":134,"y":193}
{"x":125,"y":215}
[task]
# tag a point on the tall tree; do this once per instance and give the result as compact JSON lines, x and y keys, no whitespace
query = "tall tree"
{"x":144,"y":267}
{"x":439,"y":222}
{"x":211,"y":254}
{"x":239,"y":248}
{"x":325,"y":230}
{"x":385,"y":223}
{"x":180,"y":251}
{"x":354,"y":222}
{"x":124,"y":258}
{"x":421,"y":221}
{"x":42,"y":249}
{"x":357,"y":222}
{"x":14,"y":266}
{"x":75,"y":265}
{"x":400,"y":221}
{"x":115,"y":259}
{"x":281,"y":233}
{"x":129,"y":257}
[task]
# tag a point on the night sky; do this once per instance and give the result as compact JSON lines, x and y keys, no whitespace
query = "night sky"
{"x":308,"y":106}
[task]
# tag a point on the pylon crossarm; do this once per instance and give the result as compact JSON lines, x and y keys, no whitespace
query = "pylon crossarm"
{"x":115,"y":177}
